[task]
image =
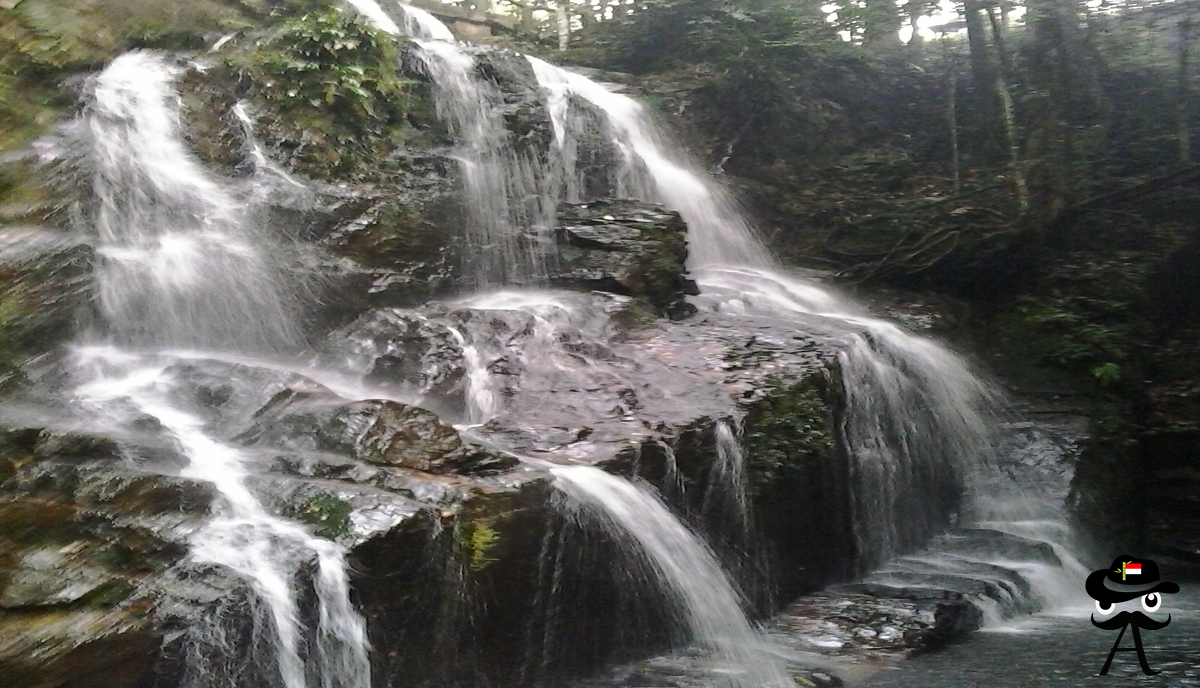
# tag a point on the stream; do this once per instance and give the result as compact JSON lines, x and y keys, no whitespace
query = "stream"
{"x":1059,"y":649}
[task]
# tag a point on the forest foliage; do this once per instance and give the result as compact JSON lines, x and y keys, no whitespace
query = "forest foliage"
{"x":907,"y":139}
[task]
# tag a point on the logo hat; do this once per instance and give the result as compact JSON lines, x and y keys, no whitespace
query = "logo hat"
{"x":1127,"y":578}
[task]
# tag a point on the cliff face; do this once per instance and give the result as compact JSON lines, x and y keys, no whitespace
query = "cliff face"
{"x":447,"y":534}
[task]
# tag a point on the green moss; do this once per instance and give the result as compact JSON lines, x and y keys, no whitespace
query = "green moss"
{"x":335,"y":82}
{"x":788,"y":429}
{"x":480,"y":539}
{"x":329,"y":515}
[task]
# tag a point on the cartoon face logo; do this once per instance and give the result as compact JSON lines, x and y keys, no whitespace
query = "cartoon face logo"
{"x":1128,"y":578}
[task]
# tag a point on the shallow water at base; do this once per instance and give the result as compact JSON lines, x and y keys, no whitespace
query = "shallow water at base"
{"x":1059,"y":650}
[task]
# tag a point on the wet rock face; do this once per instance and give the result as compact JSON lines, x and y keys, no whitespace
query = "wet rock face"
{"x":93,"y":567}
{"x":626,"y":247}
{"x":854,"y":624}
{"x":385,"y":433}
{"x":44,"y":282}
{"x":76,"y":542}
{"x":460,"y":561}
{"x":563,"y":382}
{"x":399,"y":244}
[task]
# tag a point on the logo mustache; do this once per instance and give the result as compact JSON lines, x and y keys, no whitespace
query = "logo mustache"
{"x":1137,"y":619}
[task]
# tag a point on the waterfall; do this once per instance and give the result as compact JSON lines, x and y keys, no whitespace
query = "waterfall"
{"x":668,"y":554}
{"x":508,"y":207}
{"x":482,"y":401}
{"x":729,"y":475}
{"x":182,"y":266}
{"x":420,"y":24}
{"x":920,"y":427}
{"x":718,"y":234}
{"x":919,"y":424}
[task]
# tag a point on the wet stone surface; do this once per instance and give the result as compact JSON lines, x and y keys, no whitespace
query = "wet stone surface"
{"x":558,"y":380}
{"x":1047,"y":650}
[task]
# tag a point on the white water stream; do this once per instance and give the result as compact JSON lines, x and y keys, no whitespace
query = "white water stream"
{"x":672,"y":556}
{"x":181,"y":265}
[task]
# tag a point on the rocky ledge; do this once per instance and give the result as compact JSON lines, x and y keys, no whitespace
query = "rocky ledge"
{"x":446,"y":525}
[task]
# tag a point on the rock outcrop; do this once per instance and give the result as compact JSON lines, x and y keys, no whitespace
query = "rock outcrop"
{"x":420,"y":433}
{"x":627,"y":248}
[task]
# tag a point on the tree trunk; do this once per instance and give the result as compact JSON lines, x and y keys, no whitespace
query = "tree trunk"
{"x":1014,"y":150}
{"x":983,"y":107}
{"x":982,"y":69}
{"x":527,"y":25}
{"x":915,"y":41}
{"x":952,"y":113}
{"x":586,"y":18}
{"x":563,"y":21}
{"x":881,"y":26}
{"x":1006,"y":108}
{"x":1181,"y":93}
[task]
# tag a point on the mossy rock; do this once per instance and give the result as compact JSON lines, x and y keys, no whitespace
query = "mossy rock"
{"x":328,"y":91}
{"x":788,"y":430}
{"x":327,"y":514}
{"x":626,"y":247}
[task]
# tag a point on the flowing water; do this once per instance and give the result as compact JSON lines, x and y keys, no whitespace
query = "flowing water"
{"x":731,"y":472}
{"x":165,"y":227}
{"x":181,"y":265}
{"x":672,"y":556}
{"x":920,"y":424}
{"x":922,"y":430}
{"x":1060,"y":649}
{"x":650,"y":168}
{"x":508,"y":207}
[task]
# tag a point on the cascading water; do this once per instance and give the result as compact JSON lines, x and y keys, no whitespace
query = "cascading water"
{"x":730,"y":474}
{"x":920,"y":427}
{"x":180,"y":266}
{"x":506,"y":196}
{"x":717,"y":233}
{"x":672,"y":556}
{"x":919,"y":423}
{"x":182,"y":263}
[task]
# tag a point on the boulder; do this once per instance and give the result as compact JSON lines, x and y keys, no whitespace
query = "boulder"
{"x":862,"y":625}
{"x":626,"y":247}
{"x":381,"y":433}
